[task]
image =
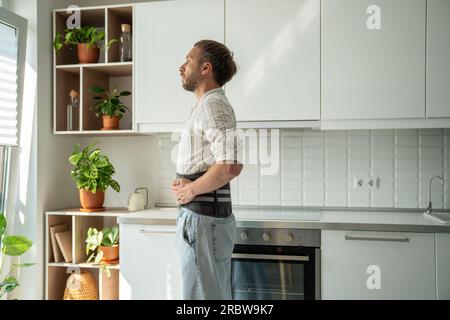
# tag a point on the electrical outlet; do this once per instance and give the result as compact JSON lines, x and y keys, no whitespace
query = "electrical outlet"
{"x":358,"y":183}
{"x":374,"y":183}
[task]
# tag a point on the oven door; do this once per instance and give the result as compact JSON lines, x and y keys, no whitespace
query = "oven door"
{"x":275,"y":273}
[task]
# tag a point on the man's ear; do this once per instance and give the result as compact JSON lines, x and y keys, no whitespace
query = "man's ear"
{"x":206,"y":68}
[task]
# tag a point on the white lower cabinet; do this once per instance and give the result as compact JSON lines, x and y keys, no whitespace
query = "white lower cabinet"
{"x":149,"y":263}
{"x":443,"y":266}
{"x":378,"y":265}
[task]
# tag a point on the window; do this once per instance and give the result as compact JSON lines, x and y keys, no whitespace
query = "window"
{"x":13,"y":30}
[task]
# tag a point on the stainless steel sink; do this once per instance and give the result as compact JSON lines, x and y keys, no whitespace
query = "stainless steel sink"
{"x":439,"y":217}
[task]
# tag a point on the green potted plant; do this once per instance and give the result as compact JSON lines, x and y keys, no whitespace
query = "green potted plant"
{"x":12,"y":246}
{"x":109,"y":106}
{"x":93,"y":175}
{"x":88,"y":41}
{"x":103,"y":246}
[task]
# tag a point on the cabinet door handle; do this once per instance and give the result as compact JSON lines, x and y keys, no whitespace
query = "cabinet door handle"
{"x":405,"y":239}
{"x":157,"y":233}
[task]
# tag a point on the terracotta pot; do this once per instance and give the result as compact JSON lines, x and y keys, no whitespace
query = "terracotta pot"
{"x":110,"y":253}
{"x":87,"y":55}
{"x":92,"y":201}
{"x":110,"y":123}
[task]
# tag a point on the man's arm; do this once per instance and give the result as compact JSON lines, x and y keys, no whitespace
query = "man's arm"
{"x":217,"y":176}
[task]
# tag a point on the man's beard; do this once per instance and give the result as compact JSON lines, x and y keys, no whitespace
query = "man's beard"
{"x":191,"y":83}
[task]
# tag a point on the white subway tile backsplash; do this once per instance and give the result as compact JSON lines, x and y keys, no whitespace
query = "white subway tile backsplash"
{"x":313,"y":141}
{"x":270,"y":184}
{"x":291,"y":141}
{"x":356,"y":198}
{"x":382,"y":163}
{"x":313,"y":174}
{"x":292,"y":196}
{"x":336,"y":152}
{"x":316,"y":185}
{"x":313,"y":152}
{"x":361,"y":152}
{"x":335,"y":163}
{"x":270,"y":198}
{"x":383,"y":140}
{"x":291,"y":163}
{"x":431,"y":131}
{"x":383,"y":152}
{"x":407,"y":152}
{"x":313,"y":198}
{"x":317,"y":168}
{"x":405,"y":163}
{"x":406,"y":140}
{"x":431,"y":140}
{"x":382,"y":197}
{"x":291,"y":174}
{"x":287,"y":153}
{"x":311,"y":163}
{"x":335,"y":185}
{"x":333,"y":174}
{"x":291,"y":184}
{"x":358,"y":140}
{"x":405,"y":174}
{"x":431,"y":163}
{"x":431,"y":152}
{"x":338,"y":199}
{"x":334,"y":141}
{"x":358,"y":163}
{"x":291,"y":133}
{"x":248,"y":184}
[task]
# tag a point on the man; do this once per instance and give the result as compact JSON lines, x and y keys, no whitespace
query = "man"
{"x":207,"y":162}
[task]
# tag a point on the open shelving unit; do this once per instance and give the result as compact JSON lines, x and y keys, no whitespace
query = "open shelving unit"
{"x":57,"y":273}
{"x":109,"y":72}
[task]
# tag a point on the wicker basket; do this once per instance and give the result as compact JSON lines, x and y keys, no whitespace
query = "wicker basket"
{"x":81,"y":286}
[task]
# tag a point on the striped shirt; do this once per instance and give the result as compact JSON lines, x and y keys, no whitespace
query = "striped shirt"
{"x":209,"y":134}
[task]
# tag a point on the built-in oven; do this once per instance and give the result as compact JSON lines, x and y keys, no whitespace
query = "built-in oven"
{"x":276,"y":264}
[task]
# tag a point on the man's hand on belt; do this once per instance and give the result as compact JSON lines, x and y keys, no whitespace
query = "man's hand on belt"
{"x":183,"y":190}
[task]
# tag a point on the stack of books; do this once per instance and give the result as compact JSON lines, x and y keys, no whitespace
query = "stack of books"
{"x":61,"y":243}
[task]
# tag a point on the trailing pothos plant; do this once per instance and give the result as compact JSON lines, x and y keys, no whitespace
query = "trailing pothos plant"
{"x":92,"y":171}
{"x":12,"y":246}
{"x":109,"y":102}
{"x":89,"y":35}
{"x":106,"y":237}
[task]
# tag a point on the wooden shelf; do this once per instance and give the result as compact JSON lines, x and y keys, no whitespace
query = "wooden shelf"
{"x":81,"y":265}
{"x":79,"y":222}
{"x":108,"y":73}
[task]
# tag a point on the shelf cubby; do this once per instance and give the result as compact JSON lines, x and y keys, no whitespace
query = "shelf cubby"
{"x":94,"y":17}
{"x":67,"y":78}
{"x":106,"y":76}
{"x":117,"y":16}
{"x":79,"y":222}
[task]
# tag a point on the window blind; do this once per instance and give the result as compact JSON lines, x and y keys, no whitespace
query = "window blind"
{"x":8,"y":85}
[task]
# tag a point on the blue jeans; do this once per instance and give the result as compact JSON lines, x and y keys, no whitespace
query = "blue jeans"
{"x":205,"y":245}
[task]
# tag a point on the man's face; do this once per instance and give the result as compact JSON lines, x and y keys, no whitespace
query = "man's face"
{"x":190,"y":71}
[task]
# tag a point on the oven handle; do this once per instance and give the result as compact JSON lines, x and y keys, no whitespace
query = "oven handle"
{"x":269,"y":257}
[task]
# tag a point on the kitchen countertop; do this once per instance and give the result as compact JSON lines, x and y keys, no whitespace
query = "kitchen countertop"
{"x":359,"y":220}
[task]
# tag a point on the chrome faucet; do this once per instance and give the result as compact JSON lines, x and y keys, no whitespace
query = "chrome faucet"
{"x":430,"y":208}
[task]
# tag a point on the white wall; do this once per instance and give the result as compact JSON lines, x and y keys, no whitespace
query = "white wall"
{"x":44,"y":178}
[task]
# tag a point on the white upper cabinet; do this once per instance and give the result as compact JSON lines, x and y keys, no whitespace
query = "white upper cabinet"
{"x":164,"y":33}
{"x":277,"y":48}
{"x":373,"y":59}
{"x":438,"y":58}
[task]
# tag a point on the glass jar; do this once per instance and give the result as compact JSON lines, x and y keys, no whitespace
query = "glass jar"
{"x":125,"y":46}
